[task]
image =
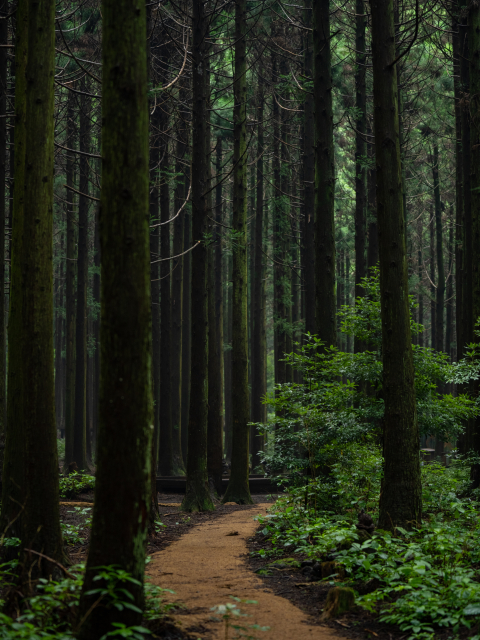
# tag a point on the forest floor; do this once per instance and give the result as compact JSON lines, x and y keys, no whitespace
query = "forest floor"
{"x":208,"y":566}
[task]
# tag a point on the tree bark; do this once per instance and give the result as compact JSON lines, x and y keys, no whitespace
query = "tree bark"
{"x":70,"y":288}
{"x":80,"y":418}
{"x":433,"y":323}
{"x":238,"y":487}
{"x":165,"y":463}
{"x":309,"y":180}
{"x":401,"y":497}
{"x":440,"y":297}
{"x":324,"y":177}
{"x":177,"y":286}
{"x":459,"y":275}
{"x":3,"y":171}
{"x":122,"y":488}
{"x":360,"y":155}
{"x":259,"y":344}
{"x":197,"y":497}
{"x":31,"y":410}
{"x":215,"y":405}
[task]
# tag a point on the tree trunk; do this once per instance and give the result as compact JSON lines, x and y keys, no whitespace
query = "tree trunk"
{"x":309,"y":180}
{"x":177,"y":288}
{"x":219,"y":312}
{"x":186,"y":328}
{"x":450,"y":298}
{"x":96,"y":329}
{"x":70,"y":288}
{"x":32,"y":464}
{"x":420,"y":278}
{"x":401,"y":497}
{"x":259,"y":344}
{"x":154,"y":159}
{"x":80,"y":418}
{"x":360,"y":155}
{"x":238,"y":487}
{"x":459,"y":275}
{"x":122,"y":488}
{"x":433,"y":323}
{"x":324,"y":177}
{"x":3,"y":172}
{"x":372,"y":252}
{"x":197,"y":497}
{"x":215,"y":408}
{"x":165,"y":457}
{"x":440,"y":300}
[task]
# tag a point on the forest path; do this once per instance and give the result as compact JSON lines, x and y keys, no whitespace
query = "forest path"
{"x":206,"y":566}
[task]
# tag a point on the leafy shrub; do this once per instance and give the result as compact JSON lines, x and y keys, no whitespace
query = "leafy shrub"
{"x":75,"y":483}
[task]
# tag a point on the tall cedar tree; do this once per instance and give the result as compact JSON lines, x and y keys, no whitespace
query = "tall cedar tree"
{"x":197,"y":497}
{"x":122,"y":489}
{"x":360,"y":154}
{"x":474,"y":265}
{"x":309,"y":179}
{"x":80,"y":419}
{"x":31,"y":462}
{"x":238,"y":488}
{"x":324,"y":177}
{"x":401,"y":497}
{"x":3,"y":168}
{"x":70,"y":286}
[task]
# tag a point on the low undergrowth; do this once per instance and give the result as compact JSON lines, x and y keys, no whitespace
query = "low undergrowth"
{"x":421,"y":580}
{"x":75,"y":483}
{"x":51,"y":614}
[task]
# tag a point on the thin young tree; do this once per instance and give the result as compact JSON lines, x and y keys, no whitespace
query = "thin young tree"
{"x":238,"y":487}
{"x":401,"y":496}
{"x":325,"y":311}
{"x":122,"y":490}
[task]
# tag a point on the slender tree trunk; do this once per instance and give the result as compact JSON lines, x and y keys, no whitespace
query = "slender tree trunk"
{"x":122,"y":488}
{"x":372,"y":252}
{"x":197,"y":497}
{"x":459,"y":275}
{"x":70,"y":289}
{"x":80,"y":417}
{"x":227,"y":359}
{"x":420,"y":279}
{"x":433,"y":323}
{"x":400,"y":499}
{"x":360,"y":155}
{"x":259,"y":344}
{"x":177,"y":288}
{"x":450,"y":298}
{"x":31,"y":410}
{"x":238,"y":487}
{"x":309,"y":180}
{"x":154,"y":159}
{"x":215,"y":423}
{"x":96,"y":330}
{"x":186,"y":329}
{"x":219,"y":312}
{"x":59,"y":379}
{"x":3,"y":171}
{"x":472,"y":222}
{"x":324,"y":177}
{"x":165,"y":463}
{"x":440,"y":300}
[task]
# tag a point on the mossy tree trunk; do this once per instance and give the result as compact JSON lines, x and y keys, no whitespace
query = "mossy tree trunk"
{"x":238,"y":488}
{"x":122,"y":490}
{"x":401,"y":497}
{"x":32,"y":406}
{"x":325,"y":311}
{"x":309,"y":179}
{"x":197,"y":497}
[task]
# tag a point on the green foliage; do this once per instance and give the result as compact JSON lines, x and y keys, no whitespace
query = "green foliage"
{"x":231,"y":611}
{"x":51,"y":613}
{"x":71,"y":533}
{"x":340,"y":400}
{"x":75,"y":483}
{"x":419,"y":580}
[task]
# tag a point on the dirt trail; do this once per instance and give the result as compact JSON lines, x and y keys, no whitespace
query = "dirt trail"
{"x":205,"y":567}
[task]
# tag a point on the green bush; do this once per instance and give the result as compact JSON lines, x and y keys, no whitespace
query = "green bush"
{"x":75,"y":483}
